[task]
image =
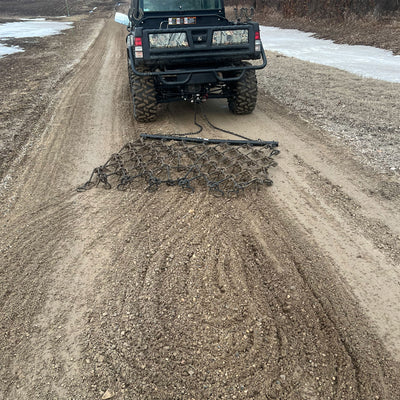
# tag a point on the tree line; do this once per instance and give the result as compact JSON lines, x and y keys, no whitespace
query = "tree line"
{"x":323,"y":8}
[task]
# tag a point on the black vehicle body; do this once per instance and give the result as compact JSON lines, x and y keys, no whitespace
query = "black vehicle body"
{"x":190,"y":53}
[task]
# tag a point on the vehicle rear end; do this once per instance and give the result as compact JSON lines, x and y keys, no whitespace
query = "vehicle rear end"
{"x":190,"y":50}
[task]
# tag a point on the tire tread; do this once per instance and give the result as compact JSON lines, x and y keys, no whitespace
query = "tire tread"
{"x":244,"y":93}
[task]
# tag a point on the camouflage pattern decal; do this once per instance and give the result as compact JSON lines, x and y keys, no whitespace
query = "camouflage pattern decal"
{"x":167,"y":40}
{"x":224,"y":38}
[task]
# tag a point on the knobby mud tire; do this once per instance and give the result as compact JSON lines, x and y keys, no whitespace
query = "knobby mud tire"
{"x":243,"y":96}
{"x":143,"y":96}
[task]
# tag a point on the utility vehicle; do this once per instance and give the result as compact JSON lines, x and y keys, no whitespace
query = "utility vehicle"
{"x":189,"y":50}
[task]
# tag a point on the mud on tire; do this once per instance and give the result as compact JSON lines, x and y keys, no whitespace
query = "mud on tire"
{"x":243,"y":96}
{"x":143,"y":96}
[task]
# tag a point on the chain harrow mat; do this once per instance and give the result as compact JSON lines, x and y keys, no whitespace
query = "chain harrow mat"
{"x":222,"y":168}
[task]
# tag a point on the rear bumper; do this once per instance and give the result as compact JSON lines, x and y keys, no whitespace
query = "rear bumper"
{"x":187,"y":72}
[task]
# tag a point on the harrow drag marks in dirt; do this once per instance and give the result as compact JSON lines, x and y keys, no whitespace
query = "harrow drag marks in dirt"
{"x":222,"y":168}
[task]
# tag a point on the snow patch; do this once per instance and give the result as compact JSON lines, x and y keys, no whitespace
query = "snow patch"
{"x":4,"y":50}
{"x":28,"y":28}
{"x":366,"y":61}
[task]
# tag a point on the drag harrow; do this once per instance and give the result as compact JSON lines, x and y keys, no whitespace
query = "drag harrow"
{"x":224,"y":167}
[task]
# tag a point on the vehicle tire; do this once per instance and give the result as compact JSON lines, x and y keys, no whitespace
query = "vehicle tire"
{"x":243,"y":93}
{"x":143,"y":96}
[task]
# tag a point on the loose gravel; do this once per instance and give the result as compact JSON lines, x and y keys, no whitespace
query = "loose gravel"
{"x":361,"y":112}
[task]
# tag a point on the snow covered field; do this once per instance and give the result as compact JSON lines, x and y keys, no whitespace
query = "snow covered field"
{"x":28,"y":28}
{"x":365,"y":61}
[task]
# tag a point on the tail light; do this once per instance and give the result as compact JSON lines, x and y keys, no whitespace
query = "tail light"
{"x":257,"y":41}
{"x":138,"y":47}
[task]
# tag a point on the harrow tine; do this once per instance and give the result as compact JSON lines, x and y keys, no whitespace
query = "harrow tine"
{"x":223,"y":167}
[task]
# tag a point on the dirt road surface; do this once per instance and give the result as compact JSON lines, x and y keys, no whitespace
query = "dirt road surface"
{"x":286,"y":292}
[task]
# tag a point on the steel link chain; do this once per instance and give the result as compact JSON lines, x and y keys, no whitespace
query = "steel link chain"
{"x":221,"y":168}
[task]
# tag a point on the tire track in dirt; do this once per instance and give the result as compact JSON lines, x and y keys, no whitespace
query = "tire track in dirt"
{"x":333,"y":197}
{"x":226,"y":300}
{"x":53,"y":253}
{"x":175,"y":295}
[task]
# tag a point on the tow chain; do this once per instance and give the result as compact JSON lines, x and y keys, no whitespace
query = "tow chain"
{"x":218,"y":165}
{"x":208,"y":122}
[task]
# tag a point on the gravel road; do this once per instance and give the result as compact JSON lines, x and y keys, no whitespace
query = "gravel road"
{"x":286,"y":292}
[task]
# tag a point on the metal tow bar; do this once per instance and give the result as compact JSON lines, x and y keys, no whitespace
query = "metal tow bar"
{"x":261,"y":143}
